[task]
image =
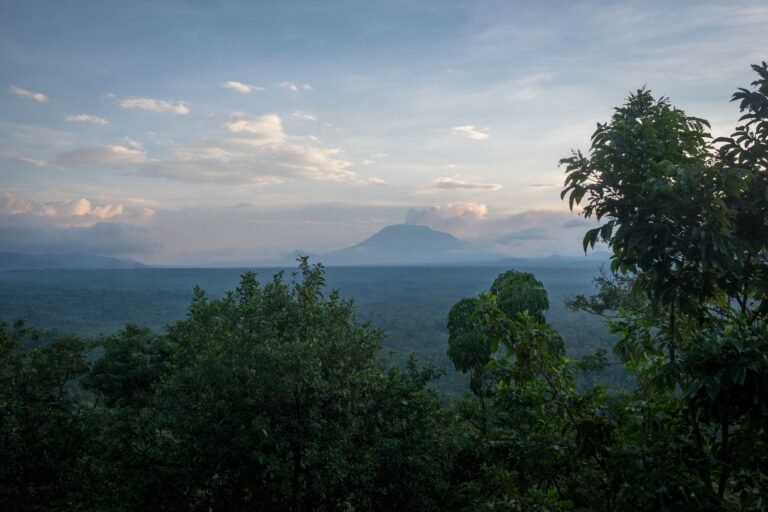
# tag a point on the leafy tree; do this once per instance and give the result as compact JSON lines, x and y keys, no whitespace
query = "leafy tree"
{"x":44,"y":427}
{"x":685,"y":218}
{"x":271,"y":398}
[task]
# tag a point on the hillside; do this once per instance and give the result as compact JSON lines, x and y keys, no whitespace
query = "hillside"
{"x":22,"y":261}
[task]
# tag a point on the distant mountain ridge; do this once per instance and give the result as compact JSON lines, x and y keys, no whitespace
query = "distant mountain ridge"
{"x":22,"y":261}
{"x":408,"y":244}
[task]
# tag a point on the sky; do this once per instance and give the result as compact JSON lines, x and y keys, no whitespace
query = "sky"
{"x":235,"y":132}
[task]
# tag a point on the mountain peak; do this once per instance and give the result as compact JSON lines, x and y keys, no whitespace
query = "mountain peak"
{"x":407,"y":244}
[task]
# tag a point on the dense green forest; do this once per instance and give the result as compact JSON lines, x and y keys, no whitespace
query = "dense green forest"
{"x":274,"y":397}
{"x":409,"y":304}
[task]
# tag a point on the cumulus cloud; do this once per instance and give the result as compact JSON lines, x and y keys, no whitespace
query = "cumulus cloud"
{"x":304,"y":115}
{"x":29,"y":95}
{"x":262,"y":153}
{"x":266,"y":129}
{"x":470,"y":132}
{"x":114,"y":155}
{"x":29,"y":234}
{"x":241,"y":87}
{"x":77,"y":225}
{"x":452,"y":217}
{"x":75,"y":212}
{"x":87,"y":118}
{"x":154,"y":105}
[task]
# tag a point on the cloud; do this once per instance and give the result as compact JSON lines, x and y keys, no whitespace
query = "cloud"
{"x":524,"y":234}
{"x":132,"y":143}
{"x":29,"y":234}
{"x":537,"y":233}
{"x":451,"y":183}
{"x":266,"y":129}
{"x":27,"y":94}
{"x":262,"y":153}
{"x":304,"y":115}
{"x":87,"y":118}
{"x":243,"y":162}
{"x":529,"y":87}
{"x":76,"y":212}
{"x":153,"y":105}
{"x":452,"y":217}
{"x":113,"y":155}
{"x":531,"y":233}
{"x":32,"y":161}
{"x":293,"y":87}
{"x":241,"y":87}
{"x":470,"y":131}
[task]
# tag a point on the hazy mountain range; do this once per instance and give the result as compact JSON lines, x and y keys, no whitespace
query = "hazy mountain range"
{"x":399,"y":244}
{"x":14,"y":260}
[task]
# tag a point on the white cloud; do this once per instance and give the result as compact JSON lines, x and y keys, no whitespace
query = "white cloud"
{"x":446,"y":182}
{"x":266,"y":129}
{"x":293,"y":87}
{"x":304,"y":115}
{"x":113,"y":155}
{"x":452,"y":217}
{"x":241,"y":87}
{"x":261,"y":154}
{"x":87,"y":118}
{"x":72,"y":226}
{"x":132,"y":143}
{"x":153,"y":105}
{"x":32,"y":161}
{"x":75,"y":212}
{"x":27,"y":94}
{"x":470,"y":131}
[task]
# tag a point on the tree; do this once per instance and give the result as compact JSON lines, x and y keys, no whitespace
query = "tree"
{"x":44,"y":426}
{"x":686,"y":220}
{"x":686,"y":217}
{"x":270,"y":398}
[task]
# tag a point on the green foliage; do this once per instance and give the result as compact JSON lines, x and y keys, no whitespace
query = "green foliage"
{"x":685,"y":219}
{"x":271,"y":398}
{"x":520,"y":292}
{"x":44,"y":427}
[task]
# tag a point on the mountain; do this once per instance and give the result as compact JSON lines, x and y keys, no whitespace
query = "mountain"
{"x":593,"y":260}
{"x":21,"y":261}
{"x":408,"y":244}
